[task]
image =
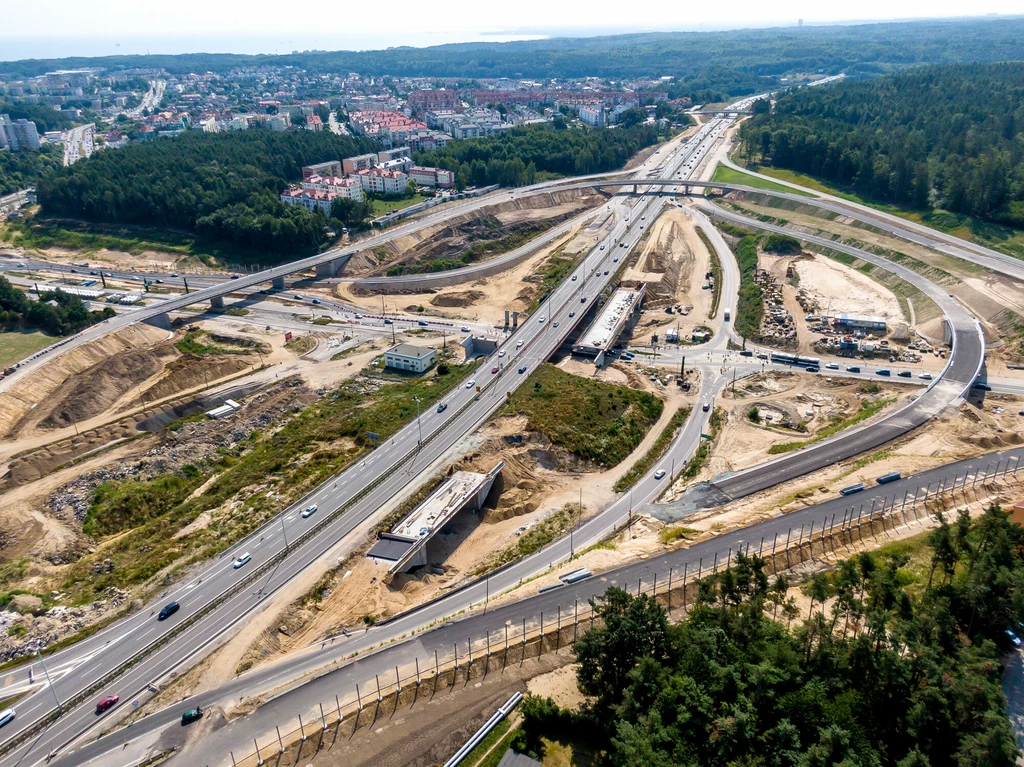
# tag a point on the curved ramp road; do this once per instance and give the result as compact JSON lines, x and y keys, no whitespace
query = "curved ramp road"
{"x":961,"y":370}
{"x":217,"y":596}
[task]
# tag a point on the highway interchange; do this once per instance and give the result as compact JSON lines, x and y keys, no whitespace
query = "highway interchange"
{"x":359,"y":492}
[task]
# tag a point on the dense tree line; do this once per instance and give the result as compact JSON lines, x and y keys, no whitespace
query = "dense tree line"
{"x":943,"y":136}
{"x":45,"y":117}
{"x":224,"y":186}
{"x":524,"y":155}
{"x":889,"y":666}
{"x":775,"y":51}
{"x":25,"y":167}
{"x":56,"y":313}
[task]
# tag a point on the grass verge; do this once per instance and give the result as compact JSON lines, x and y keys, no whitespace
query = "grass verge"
{"x":728,"y":175}
{"x":657,"y":450}
{"x":537,"y":537}
{"x":16,"y":345}
{"x":703,"y":452}
{"x":716,"y":272}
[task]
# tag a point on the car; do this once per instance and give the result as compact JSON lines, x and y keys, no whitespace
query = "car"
{"x":423,"y":323}
{"x":107,"y":703}
{"x":494,"y":369}
{"x":168,"y":611}
{"x":316,"y":300}
{"x":175,"y":274}
{"x":541,"y":319}
{"x":853,"y":368}
{"x":359,"y":316}
{"x":981,"y":386}
{"x":234,"y":276}
{"x":519,"y":344}
{"x":464,"y":329}
{"x":501,"y":354}
{"x":615,"y":260}
{"x":812,"y":368}
{"x":659,"y":474}
{"x":572,"y":314}
{"x":762,"y":355}
{"x":602,"y":247}
{"x":622,"y":244}
{"x":554,"y":325}
{"x":192,"y":715}
{"x":389,"y":322}
{"x":583,"y":299}
{"x":574,"y":278}
{"x":832,"y":365}
{"x":925,"y":376}
{"x":442,"y":407}
{"x":706,"y":407}
{"x":470,"y":383}
{"x":883,"y":372}
{"x":904,"y":374}
{"x":297,"y":297}
{"x":605,"y":272}
{"x":309,"y":511}
{"x":7,"y":716}
{"x":522,"y":370}
{"x":242,"y":560}
{"x":1014,"y":639}
{"x":95,"y":274}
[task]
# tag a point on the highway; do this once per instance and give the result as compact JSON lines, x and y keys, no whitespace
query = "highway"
{"x":356,"y":495}
{"x":539,"y":337}
{"x":237,"y":736}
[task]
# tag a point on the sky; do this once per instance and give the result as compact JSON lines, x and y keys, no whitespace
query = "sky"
{"x":70,"y":27}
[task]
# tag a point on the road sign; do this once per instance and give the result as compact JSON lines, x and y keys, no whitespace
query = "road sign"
{"x":705,"y":436}
{"x":287,"y":336}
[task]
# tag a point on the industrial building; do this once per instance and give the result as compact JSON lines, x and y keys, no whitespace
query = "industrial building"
{"x":415,"y":359}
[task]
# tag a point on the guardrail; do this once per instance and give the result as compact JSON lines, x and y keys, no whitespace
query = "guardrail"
{"x":531,"y":637}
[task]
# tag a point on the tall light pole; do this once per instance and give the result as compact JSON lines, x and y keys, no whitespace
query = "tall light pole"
{"x":53,"y":689}
{"x":419,"y":426}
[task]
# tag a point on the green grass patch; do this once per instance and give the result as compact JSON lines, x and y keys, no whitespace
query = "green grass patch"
{"x":301,"y":344}
{"x":868,"y":408}
{"x":383,"y":207}
{"x":555,"y":270}
{"x":602,"y":423}
{"x":881,"y":455}
{"x":122,"y":505}
{"x":642,"y":466}
{"x":703,"y":451}
{"x":536,"y":538}
{"x":311,"y":445}
{"x":670,"y":534}
{"x":750,"y":303}
{"x":729,"y":175}
{"x":236,"y":311}
{"x":481,"y":756}
{"x":194,"y":343}
{"x":16,"y":345}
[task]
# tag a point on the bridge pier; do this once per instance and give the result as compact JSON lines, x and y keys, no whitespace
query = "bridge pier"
{"x":162,"y":321}
{"x":278,"y":283}
{"x":217,"y":302}
{"x":331,"y":268}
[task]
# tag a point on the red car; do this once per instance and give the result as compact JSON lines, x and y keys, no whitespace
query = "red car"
{"x":494,"y":370}
{"x":107,"y":703}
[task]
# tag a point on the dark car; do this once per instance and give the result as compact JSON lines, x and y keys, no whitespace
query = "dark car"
{"x":107,"y":703}
{"x":442,"y":407}
{"x":168,"y":611}
{"x":522,"y":370}
{"x":192,"y":715}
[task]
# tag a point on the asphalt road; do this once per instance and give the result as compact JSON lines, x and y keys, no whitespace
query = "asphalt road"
{"x":238,"y":736}
{"x":86,"y":663}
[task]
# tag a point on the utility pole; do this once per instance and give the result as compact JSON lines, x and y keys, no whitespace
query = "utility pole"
{"x":419,"y":426}
{"x":682,"y":369}
{"x":185,"y":280}
{"x":53,"y":689}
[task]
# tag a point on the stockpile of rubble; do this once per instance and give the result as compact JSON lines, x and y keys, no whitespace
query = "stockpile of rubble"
{"x":776,"y":323}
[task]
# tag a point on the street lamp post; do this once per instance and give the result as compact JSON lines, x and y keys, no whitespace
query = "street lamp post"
{"x":53,"y":689}
{"x":419,"y":426}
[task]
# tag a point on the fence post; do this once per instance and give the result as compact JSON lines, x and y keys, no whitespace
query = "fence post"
{"x":323,"y":719}
{"x":575,"y":618}
{"x":685,"y":568}
{"x":714,"y":570}
{"x":379,"y":698}
{"x":279,"y":741}
{"x":302,"y":729}
{"x":359,"y":700}
{"x":558,"y":631}
{"x":398,"y":684}
{"x":259,"y":759}
{"x":669,"y":593}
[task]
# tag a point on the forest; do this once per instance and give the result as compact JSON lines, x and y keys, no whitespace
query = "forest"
{"x":949,"y":137}
{"x":56,"y":313}
{"x":26,"y":166}
{"x":896,"y":661}
{"x":533,"y":153}
{"x":224,"y":187}
{"x":870,"y":48}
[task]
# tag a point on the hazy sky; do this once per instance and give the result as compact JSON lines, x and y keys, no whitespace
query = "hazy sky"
{"x":74,"y":27}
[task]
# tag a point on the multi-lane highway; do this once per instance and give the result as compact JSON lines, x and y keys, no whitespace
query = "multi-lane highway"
{"x":344,"y":503}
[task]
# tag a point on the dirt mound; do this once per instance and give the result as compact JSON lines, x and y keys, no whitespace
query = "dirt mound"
{"x":464,"y":298}
{"x":91,"y":392}
{"x":190,"y":371}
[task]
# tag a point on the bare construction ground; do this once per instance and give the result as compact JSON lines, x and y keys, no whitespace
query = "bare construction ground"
{"x":673,"y":262}
{"x":487,"y":299}
{"x":501,"y":227}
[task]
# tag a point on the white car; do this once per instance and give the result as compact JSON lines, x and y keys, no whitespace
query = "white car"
{"x":832,"y":366}
{"x":501,"y":353}
{"x":242,"y":560}
{"x":519,"y":345}
{"x":470,"y":383}
{"x":541,"y":319}
{"x":7,"y":715}
{"x":925,"y":376}
{"x":659,"y":474}
{"x":309,"y":511}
